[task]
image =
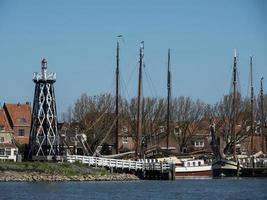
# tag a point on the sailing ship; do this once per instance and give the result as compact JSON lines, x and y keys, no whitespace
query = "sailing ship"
{"x":187,"y":166}
{"x":222,"y":165}
{"x":256,"y":164}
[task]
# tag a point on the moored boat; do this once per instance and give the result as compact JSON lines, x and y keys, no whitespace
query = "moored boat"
{"x":193,"y":167}
{"x":225,"y":168}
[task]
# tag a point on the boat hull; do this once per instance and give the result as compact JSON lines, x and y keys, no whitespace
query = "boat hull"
{"x":225,"y":168}
{"x":193,"y":171}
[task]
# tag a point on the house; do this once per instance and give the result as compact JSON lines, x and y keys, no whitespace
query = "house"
{"x":8,"y":151}
{"x":126,"y":139}
{"x":6,"y":133}
{"x":72,"y":141}
{"x":19,"y":119}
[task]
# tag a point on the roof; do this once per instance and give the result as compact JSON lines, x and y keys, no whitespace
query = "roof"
{"x":3,"y":121}
{"x":7,"y":145}
{"x":20,"y":114}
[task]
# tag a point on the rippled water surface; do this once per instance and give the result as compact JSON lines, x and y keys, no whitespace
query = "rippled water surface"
{"x":255,"y":189}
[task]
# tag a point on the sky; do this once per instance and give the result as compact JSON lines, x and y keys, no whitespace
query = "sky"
{"x":78,"y":39}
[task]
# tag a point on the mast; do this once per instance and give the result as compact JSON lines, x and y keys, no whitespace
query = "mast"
{"x":234,"y":106}
{"x":168,"y":100}
{"x":139,"y":103}
{"x":251,"y":106}
{"x":262,"y":116}
{"x":117,"y":98}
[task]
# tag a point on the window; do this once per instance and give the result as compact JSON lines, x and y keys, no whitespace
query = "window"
{"x":125,"y":129}
{"x":2,"y":140}
{"x":21,"y":132}
{"x":1,"y":127}
{"x":15,"y":152}
{"x":199,"y":144}
{"x":161,"y":129}
{"x":177,"y":131}
{"x":2,"y":152}
{"x":8,"y":151}
{"x":124,"y":139}
{"x":22,"y":120}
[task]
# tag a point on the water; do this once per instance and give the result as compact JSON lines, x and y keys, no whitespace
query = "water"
{"x":252,"y":188}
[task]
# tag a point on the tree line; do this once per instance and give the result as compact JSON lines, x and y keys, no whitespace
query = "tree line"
{"x":95,"y":115}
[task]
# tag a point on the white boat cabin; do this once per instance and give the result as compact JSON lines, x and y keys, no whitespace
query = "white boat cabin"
{"x":193,"y":163}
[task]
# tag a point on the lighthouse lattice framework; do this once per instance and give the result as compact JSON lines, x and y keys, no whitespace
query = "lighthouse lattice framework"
{"x":44,"y":138}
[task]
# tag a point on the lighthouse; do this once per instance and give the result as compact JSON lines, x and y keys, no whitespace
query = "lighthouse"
{"x":44,"y":137}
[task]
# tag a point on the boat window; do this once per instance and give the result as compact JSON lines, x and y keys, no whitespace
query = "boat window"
{"x":199,"y":163}
{"x":194,"y":163}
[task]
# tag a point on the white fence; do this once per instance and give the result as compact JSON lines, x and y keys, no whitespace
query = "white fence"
{"x":121,"y":164}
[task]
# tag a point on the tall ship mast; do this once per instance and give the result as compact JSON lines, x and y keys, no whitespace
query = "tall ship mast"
{"x":139,"y":103}
{"x":234,"y":106}
{"x":223,"y":166}
{"x":251,"y":108}
{"x":117,"y":96}
{"x":168,"y":101}
{"x":263,"y":147}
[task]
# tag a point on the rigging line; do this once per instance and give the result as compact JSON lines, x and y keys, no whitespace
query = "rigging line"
{"x":112,"y":85}
{"x":150,"y":83}
{"x":131,"y":75}
{"x":101,"y":116}
{"x":153,"y":86}
{"x":108,"y":132}
{"x":124,"y":91}
{"x":238,"y":82}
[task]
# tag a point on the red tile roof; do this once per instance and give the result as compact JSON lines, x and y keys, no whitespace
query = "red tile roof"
{"x":20,"y":114}
{"x":3,"y":121}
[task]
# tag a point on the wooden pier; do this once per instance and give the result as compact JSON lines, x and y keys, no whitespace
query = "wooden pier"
{"x":144,"y":169}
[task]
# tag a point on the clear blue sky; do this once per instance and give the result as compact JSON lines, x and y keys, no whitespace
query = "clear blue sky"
{"x":78,"y":38}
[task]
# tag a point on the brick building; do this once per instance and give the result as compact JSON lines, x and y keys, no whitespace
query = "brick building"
{"x":8,"y":151}
{"x":19,"y":120}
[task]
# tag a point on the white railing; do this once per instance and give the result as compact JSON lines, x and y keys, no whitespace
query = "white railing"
{"x":122,"y":164}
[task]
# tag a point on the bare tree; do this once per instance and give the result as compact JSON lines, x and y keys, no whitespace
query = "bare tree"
{"x":187,"y":115}
{"x":223,"y":115}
